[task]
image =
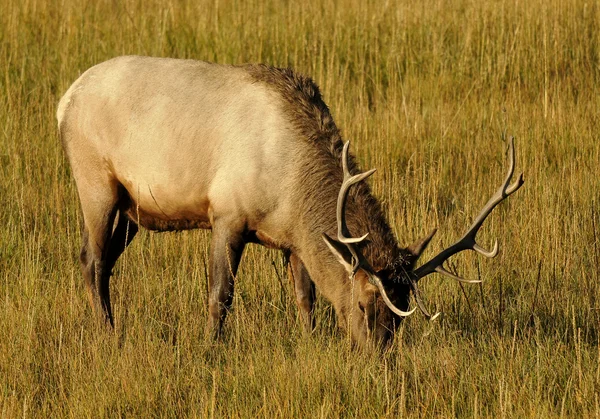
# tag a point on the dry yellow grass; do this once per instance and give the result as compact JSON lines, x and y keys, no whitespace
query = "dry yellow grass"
{"x":425,"y":91}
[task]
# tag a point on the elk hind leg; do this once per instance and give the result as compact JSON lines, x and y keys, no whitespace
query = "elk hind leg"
{"x":102,"y":244}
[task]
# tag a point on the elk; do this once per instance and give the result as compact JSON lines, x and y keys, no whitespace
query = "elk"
{"x":252,"y":153}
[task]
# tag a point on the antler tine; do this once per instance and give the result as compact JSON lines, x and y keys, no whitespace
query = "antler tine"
{"x":417,"y":294}
{"x":441,"y":270}
{"x":375,"y":279}
{"x":467,"y":241}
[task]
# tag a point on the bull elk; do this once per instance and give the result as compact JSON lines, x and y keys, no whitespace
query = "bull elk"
{"x":252,"y":153}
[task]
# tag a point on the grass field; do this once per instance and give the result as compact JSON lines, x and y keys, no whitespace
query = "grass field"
{"x":425,"y":91}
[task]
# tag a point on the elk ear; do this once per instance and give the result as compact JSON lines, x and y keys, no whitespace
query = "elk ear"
{"x":420,"y":245}
{"x":340,"y":250}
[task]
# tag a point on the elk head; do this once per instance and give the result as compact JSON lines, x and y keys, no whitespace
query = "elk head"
{"x":380,"y":298}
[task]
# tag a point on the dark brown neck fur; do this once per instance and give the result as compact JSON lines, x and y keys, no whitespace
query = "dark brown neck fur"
{"x":321,"y":177}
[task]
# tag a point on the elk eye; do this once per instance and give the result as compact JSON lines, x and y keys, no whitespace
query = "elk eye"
{"x":361,"y":306}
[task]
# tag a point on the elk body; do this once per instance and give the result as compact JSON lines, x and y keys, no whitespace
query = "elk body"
{"x":252,"y":153}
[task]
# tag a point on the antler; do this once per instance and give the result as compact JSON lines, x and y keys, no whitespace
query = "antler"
{"x":467,"y":241}
{"x":343,"y":235}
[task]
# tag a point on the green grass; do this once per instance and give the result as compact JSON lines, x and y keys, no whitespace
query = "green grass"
{"x":425,"y":91}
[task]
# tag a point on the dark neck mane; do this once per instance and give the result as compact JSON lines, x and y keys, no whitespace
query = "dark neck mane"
{"x":321,"y":176}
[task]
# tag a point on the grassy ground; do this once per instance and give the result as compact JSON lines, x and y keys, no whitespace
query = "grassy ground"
{"x":425,"y":91}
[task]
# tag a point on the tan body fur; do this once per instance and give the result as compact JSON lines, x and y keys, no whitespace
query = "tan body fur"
{"x":219,"y":150}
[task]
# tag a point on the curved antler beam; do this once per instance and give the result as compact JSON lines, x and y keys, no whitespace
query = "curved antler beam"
{"x":467,"y":241}
{"x":348,"y":181}
{"x":343,"y":235}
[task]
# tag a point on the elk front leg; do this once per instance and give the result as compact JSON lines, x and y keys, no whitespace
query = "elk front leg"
{"x":226,"y":250}
{"x":304,"y":289}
